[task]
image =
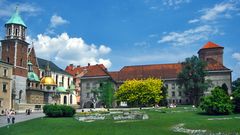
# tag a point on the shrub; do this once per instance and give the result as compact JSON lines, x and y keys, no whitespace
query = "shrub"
{"x":236,"y":100}
{"x":58,"y":111}
{"x":217,"y":103}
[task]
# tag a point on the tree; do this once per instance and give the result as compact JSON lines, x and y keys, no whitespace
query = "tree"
{"x":236,"y":84}
{"x":140,"y":92}
{"x":217,"y":103}
{"x":192,"y":79}
{"x":164,"y":101}
{"x":236,"y":100}
{"x":104,"y":93}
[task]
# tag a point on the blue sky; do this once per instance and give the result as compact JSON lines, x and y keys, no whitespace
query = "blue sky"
{"x":128,"y":32}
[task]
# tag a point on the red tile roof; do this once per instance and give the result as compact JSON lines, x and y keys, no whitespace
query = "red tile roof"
{"x":210,"y":44}
{"x":91,"y":70}
{"x":163,"y":71}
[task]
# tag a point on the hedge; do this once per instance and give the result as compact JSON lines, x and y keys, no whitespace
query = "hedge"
{"x":58,"y":111}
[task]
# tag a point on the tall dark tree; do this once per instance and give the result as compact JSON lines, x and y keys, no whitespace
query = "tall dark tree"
{"x":192,"y":79}
{"x":236,"y":84}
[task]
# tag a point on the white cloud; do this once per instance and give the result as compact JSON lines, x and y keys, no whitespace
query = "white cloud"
{"x":57,"y":20}
{"x":174,"y":3}
{"x":219,"y":10}
{"x":7,"y":8}
{"x":189,"y":36}
{"x":193,"y":21}
{"x":64,"y":50}
{"x":236,"y":56}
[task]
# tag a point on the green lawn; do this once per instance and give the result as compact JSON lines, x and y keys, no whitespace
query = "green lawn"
{"x":160,"y":122}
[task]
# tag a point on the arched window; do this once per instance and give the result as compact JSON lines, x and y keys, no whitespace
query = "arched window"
{"x":56,"y":79}
{"x":65,"y":100}
{"x":70,"y":99}
{"x":16,"y":32}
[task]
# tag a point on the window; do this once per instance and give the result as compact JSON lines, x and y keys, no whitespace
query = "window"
{"x":94,"y":85}
{"x":9,"y":31}
{"x":20,"y":95}
{"x":62,"y":80}
{"x":173,"y":93}
{"x":166,"y":85}
{"x":16,"y":32}
{"x":173,"y":86}
{"x":42,"y":73}
{"x":21,"y":62}
{"x":180,"y":101}
{"x":180,"y":93}
{"x":0,"y":103}
{"x":68,"y":81}
{"x":7,"y":48}
{"x":88,"y":86}
{"x":88,"y":95}
{"x":4,"y":87}
{"x":8,"y":60}
{"x":70,"y":99}
{"x":56,"y":79}
{"x":5,"y":72}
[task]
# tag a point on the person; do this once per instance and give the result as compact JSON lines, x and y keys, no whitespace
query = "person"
{"x":13,"y":116}
{"x":8,"y":117}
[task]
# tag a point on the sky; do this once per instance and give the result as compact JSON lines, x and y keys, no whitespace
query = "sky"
{"x":120,"y":33}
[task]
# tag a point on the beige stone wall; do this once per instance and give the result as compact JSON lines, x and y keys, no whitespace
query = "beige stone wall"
{"x":35,"y":97}
{"x":5,"y":79}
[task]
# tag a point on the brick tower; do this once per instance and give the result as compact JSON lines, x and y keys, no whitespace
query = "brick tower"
{"x":211,"y":53}
{"x":14,"y":51}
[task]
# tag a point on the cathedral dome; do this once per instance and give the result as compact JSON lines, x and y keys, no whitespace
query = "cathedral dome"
{"x":61,"y":89}
{"x":47,"y":81}
{"x":33,"y":77}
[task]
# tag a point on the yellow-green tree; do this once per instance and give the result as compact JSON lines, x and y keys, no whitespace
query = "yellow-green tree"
{"x":140,"y":92}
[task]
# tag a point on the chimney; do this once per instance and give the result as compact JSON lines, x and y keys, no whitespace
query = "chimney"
{"x":88,"y":64}
{"x":78,"y":66}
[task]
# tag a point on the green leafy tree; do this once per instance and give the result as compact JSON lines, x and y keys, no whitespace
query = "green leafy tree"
{"x":236,"y":84}
{"x":236,"y":100}
{"x":192,"y":79}
{"x":104,"y":93}
{"x":217,"y":103}
{"x":140,"y":92}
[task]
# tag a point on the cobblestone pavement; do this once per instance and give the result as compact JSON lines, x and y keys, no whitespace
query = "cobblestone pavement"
{"x":21,"y":117}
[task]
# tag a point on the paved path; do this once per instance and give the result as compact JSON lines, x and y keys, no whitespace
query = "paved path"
{"x":21,"y":117}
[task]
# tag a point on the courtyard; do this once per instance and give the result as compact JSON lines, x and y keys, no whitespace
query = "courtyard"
{"x":165,"y":121}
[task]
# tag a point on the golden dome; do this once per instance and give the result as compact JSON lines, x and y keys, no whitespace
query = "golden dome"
{"x":47,"y":81}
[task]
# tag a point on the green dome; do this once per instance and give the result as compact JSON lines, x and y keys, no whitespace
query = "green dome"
{"x":33,"y":77}
{"x":16,"y":19}
{"x":61,"y":89}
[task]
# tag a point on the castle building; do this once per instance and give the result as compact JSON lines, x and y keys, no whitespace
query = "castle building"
{"x":5,"y":86}
{"x":35,"y":81}
{"x":210,"y":52}
{"x":90,"y":78}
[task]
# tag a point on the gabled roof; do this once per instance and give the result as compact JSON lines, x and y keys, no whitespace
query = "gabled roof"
{"x":210,"y":45}
{"x":54,"y":68}
{"x":97,"y":70}
{"x":16,"y":19}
